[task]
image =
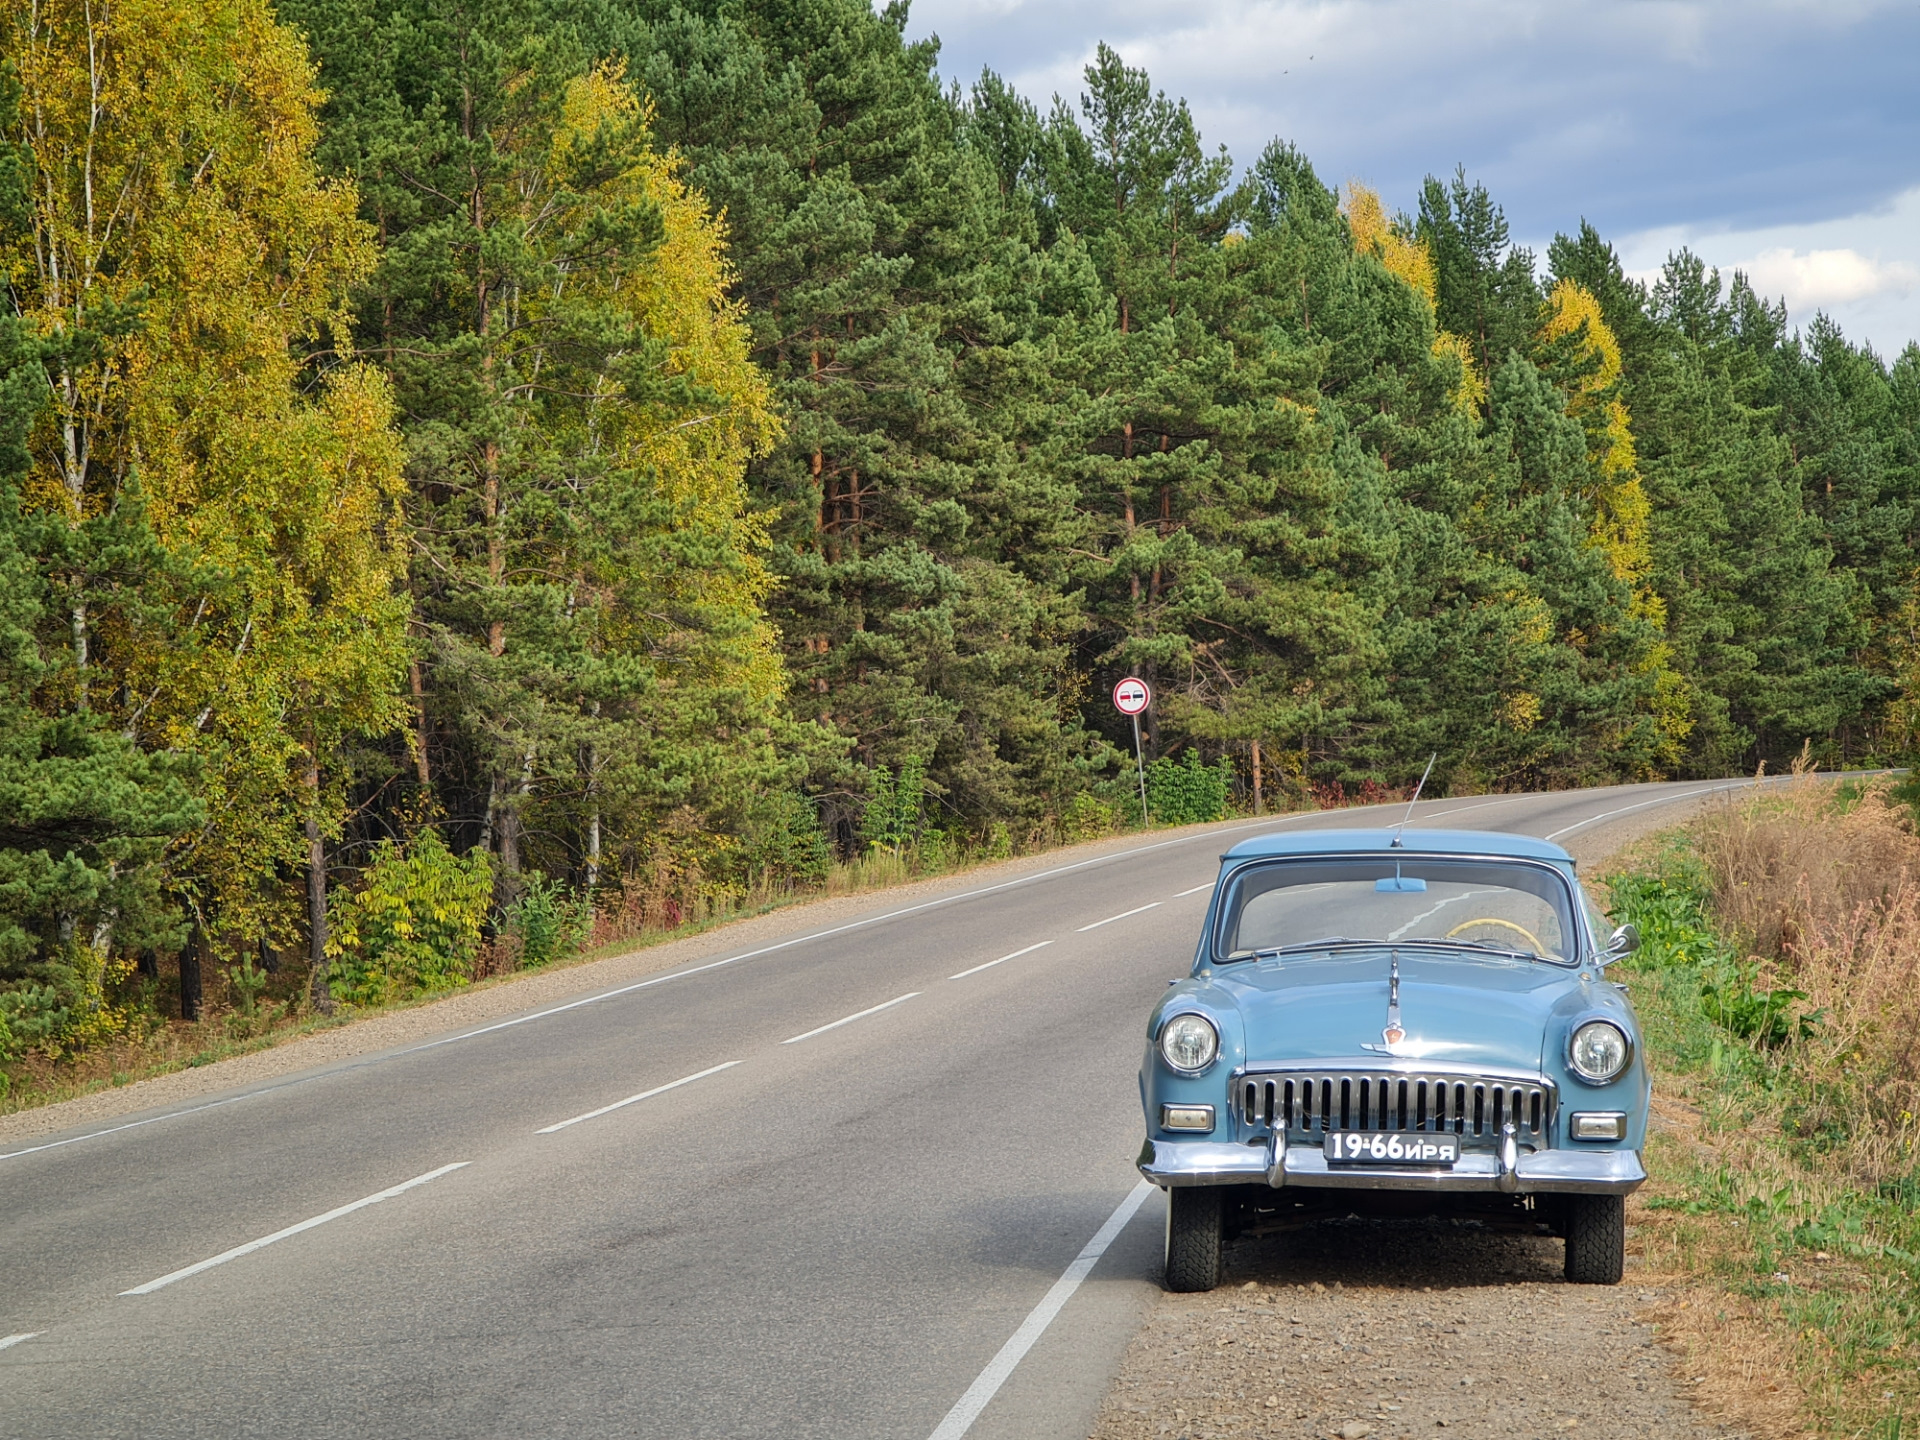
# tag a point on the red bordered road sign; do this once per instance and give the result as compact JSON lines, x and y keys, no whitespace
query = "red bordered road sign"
{"x":1131,"y":696}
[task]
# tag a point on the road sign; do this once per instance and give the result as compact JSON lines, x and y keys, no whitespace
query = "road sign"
{"x":1131,"y":696}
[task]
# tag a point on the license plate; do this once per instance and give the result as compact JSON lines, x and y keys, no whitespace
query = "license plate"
{"x":1374,"y":1147}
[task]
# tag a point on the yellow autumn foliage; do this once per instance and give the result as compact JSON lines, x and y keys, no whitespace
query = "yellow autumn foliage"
{"x":1407,"y":259}
{"x":698,"y":460}
{"x":1622,"y":513}
{"x":171,"y":148}
{"x":1374,"y":234}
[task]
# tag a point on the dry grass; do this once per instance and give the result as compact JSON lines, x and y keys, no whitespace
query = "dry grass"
{"x":1781,"y":1208}
{"x":1824,"y":898}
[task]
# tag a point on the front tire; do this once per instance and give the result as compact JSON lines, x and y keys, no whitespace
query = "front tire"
{"x":1596,"y":1239}
{"x":1194,"y":1237}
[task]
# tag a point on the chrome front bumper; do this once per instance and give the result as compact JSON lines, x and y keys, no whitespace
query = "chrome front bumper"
{"x":1168,"y":1163}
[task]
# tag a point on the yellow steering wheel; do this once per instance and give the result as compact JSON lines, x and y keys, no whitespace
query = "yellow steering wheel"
{"x":1532,"y":940}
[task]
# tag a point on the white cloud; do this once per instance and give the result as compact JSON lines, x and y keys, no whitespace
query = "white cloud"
{"x":1773,"y":135}
{"x":1863,"y":270}
{"x":1822,"y":278}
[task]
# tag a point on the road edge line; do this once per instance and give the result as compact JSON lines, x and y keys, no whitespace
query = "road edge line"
{"x":987,"y":1384}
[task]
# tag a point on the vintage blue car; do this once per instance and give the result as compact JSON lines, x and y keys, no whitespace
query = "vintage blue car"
{"x":1396,"y":1022}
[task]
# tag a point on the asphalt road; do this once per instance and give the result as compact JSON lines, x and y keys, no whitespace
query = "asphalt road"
{"x":834,"y":1236}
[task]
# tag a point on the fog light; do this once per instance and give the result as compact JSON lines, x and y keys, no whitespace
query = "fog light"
{"x":1599,"y":1125}
{"x":1186,"y":1117}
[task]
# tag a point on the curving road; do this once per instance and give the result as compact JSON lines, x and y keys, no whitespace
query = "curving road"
{"x":844,"y":1186}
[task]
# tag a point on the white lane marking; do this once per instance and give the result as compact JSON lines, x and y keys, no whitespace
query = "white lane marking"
{"x":1266,"y":822}
{"x":1195,"y":891}
{"x":1137,"y":910}
{"x":1647,"y":805}
{"x":636,"y":1099}
{"x":827,"y":934}
{"x":265,"y":1240}
{"x":6,"y":1340}
{"x":1001,"y":961}
{"x":849,"y":1019}
{"x":968,"y":1407}
{"x":1450,"y":900}
{"x":1427,"y":816}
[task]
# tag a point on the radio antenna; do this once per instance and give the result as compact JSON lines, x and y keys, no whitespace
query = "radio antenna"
{"x":1399,"y":842}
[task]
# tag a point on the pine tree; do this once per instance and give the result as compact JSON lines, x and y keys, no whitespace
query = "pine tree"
{"x":87,"y":815}
{"x":173,"y":320}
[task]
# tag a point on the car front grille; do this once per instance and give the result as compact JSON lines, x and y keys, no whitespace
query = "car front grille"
{"x":1308,"y":1103}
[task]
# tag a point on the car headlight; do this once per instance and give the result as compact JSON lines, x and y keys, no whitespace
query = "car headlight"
{"x":1189,"y":1042}
{"x":1599,"y":1051}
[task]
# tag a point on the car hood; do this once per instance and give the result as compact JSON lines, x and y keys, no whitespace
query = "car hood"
{"x":1463,"y":1010}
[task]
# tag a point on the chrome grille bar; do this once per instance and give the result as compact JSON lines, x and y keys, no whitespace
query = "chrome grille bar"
{"x":1308,"y":1103}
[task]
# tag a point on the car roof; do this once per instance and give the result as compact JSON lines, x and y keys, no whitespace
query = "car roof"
{"x":1414,"y":842}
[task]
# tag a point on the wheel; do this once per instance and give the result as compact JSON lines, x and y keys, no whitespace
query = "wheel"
{"x":1193,"y":1238}
{"x":1596,"y":1239}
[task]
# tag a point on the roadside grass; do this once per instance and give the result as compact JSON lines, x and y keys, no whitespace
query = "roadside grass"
{"x":280,"y":1014}
{"x":1777,"y":987}
{"x":234,"y":1022}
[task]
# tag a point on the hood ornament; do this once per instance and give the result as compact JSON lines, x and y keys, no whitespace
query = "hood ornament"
{"x":1395,"y":1032}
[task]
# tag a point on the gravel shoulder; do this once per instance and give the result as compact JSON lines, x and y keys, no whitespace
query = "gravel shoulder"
{"x":1378,"y":1329}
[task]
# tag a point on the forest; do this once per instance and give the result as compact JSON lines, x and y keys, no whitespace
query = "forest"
{"x":481,"y":479}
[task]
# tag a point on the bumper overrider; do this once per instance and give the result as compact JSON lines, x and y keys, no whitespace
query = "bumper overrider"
{"x":1169,"y":1163}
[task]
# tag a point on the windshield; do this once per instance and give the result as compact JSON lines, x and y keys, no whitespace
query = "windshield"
{"x":1482,"y":904}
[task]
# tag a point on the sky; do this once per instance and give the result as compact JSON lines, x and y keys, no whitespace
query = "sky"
{"x":1779,"y":137}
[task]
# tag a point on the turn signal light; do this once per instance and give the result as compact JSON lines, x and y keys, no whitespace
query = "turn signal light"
{"x":1186,"y":1117}
{"x":1599,"y":1125}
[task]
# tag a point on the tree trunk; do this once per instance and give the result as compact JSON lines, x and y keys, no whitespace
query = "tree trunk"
{"x":190,"y":974}
{"x":420,"y":722}
{"x":496,"y":545}
{"x":1126,"y":453}
{"x":506,"y":888}
{"x":318,"y":989}
{"x":1259,"y":805}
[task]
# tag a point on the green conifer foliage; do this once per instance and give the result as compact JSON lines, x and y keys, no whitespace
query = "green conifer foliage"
{"x":85,"y":816}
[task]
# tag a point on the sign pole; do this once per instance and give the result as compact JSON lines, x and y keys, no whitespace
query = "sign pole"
{"x":1140,"y":768}
{"x":1131,"y":696}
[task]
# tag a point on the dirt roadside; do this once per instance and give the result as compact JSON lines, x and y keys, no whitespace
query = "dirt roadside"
{"x":1383,"y":1329}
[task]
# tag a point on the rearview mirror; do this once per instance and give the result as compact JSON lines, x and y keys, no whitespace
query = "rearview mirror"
{"x":1622,"y":943}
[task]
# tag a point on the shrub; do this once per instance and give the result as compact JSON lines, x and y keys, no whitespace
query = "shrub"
{"x":1087,"y":818}
{"x":1187,"y":792}
{"x":895,"y":812}
{"x":32,"y":1017}
{"x":412,"y":926}
{"x":546,"y":922}
{"x":781,"y":842}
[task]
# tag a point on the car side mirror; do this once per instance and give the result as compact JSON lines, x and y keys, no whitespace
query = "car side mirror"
{"x":1622,"y":943}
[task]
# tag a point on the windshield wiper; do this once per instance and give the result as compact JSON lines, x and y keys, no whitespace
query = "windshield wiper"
{"x":1271,"y":952}
{"x":1487,"y":946}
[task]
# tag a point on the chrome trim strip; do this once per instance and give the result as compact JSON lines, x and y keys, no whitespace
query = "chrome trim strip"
{"x":1400,"y":1064}
{"x":1169,"y":1163}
